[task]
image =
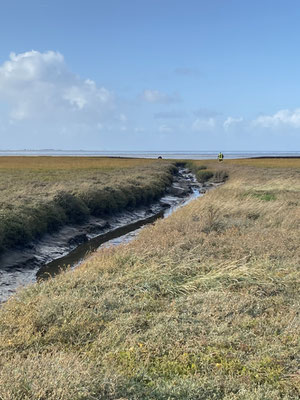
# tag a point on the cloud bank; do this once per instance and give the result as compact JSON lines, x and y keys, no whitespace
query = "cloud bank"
{"x":45,"y":104}
{"x":204,"y":124}
{"x":281,"y":119}
{"x":232,"y":122}
{"x":40,"y":86}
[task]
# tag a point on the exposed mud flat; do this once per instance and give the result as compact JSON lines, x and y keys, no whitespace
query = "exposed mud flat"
{"x":71,"y":244}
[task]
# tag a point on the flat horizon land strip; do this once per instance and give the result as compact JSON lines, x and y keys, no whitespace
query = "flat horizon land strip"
{"x":41,"y":194}
{"x":202,"y":305}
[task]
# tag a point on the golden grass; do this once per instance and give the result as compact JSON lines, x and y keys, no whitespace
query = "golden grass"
{"x":202,"y":305}
{"x":261,"y":162}
{"x":39,"y":194}
{"x":67,"y":163}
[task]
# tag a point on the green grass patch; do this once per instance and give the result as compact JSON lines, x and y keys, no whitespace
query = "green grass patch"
{"x":204,"y":175}
{"x":264,"y":196}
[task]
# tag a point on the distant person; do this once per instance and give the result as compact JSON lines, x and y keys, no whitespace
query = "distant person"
{"x":159,"y":157}
{"x":220,"y":157}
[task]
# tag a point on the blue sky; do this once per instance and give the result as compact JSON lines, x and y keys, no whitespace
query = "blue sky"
{"x":150,"y":75}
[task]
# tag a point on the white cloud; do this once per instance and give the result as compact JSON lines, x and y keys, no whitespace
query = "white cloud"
{"x":230,"y":122}
{"x":204,"y":124}
{"x":156,"y":96}
{"x":164,"y":128}
{"x":40,"y":86}
{"x":289,"y":118}
{"x":75,"y":96}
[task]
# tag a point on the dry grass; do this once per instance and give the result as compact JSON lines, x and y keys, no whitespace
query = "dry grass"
{"x":71,"y":163}
{"x":267,"y":162}
{"x":203,"y":305}
{"x":39,"y":194}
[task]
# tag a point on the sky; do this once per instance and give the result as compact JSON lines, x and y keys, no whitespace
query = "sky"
{"x":152,"y":75}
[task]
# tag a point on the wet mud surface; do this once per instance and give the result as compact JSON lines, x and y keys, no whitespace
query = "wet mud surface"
{"x":72,"y":244}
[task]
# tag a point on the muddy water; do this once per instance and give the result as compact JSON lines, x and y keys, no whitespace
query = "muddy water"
{"x":114,"y":237}
{"x":71,"y":245}
{"x":76,"y":256}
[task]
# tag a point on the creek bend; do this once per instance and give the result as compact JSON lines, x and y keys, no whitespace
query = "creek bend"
{"x":72,"y":244}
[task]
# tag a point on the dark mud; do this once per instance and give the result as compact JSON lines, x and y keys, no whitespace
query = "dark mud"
{"x":72,"y":244}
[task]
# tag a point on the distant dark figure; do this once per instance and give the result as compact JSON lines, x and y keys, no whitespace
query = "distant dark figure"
{"x":159,"y":157}
{"x":220,"y":157}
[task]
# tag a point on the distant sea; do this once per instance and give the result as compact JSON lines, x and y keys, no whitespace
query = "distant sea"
{"x":195,"y":155}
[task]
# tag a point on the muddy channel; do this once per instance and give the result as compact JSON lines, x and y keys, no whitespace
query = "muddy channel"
{"x":72,"y":244}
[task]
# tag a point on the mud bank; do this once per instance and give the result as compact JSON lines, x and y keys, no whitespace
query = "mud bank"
{"x":72,"y":243}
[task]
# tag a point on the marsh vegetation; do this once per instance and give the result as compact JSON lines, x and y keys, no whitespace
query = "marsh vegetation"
{"x":202,"y":305}
{"x":41,"y":194}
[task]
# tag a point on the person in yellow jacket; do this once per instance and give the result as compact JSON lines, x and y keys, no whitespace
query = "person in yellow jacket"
{"x":220,"y":157}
